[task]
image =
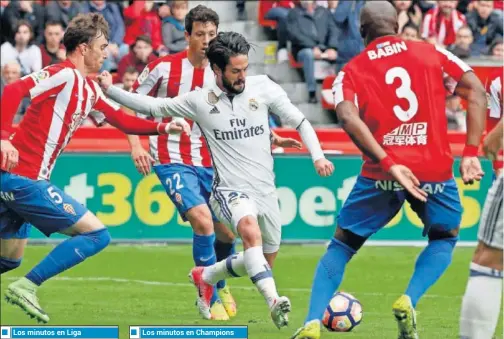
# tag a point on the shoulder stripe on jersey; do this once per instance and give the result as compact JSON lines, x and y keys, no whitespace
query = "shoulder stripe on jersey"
{"x":463,"y":66}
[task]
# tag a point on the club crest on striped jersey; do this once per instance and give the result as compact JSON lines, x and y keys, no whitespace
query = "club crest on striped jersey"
{"x":39,"y":76}
{"x":143,"y":75}
{"x":212,"y":98}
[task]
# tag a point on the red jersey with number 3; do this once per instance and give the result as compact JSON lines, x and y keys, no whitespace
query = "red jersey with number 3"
{"x":168,"y":77}
{"x":494,"y":98}
{"x":399,"y":89}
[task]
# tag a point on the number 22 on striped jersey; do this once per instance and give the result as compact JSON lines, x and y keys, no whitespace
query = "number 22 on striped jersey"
{"x":403,"y":92}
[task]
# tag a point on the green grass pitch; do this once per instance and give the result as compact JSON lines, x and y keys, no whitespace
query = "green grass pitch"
{"x":148,"y":285}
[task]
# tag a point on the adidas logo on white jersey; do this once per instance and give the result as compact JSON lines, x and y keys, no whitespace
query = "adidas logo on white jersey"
{"x":214,"y":110}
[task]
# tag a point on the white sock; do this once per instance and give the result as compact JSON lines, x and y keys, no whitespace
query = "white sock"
{"x":231,"y":267}
{"x":260,"y":273}
{"x":481,"y":303}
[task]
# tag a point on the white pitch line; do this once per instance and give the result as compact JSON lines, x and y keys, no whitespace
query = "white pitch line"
{"x":246,"y":288}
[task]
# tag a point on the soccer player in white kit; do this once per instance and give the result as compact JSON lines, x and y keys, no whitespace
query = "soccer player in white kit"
{"x":234,"y":119}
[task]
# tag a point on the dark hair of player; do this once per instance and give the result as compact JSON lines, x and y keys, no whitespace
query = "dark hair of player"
{"x":225,"y":46}
{"x":200,"y":13}
{"x":84,"y":28}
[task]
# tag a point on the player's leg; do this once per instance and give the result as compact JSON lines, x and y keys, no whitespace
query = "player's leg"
{"x":225,"y":247}
{"x":241,"y":213}
{"x":367,"y":209}
{"x":224,"y":244}
{"x":482,"y":299}
{"x":51,"y":210}
{"x":441,"y":216}
{"x":182,"y":184}
{"x":12,"y":245}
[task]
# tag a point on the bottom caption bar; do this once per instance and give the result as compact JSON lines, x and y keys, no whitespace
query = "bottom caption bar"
{"x":56,"y":332}
{"x":189,"y":332}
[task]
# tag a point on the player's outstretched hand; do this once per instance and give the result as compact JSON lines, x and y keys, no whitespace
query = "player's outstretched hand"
{"x":104,"y":80}
{"x":492,"y":144}
{"x":407,"y":179}
{"x":10,"y":155}
{"x":177,"y":126}
{"x":470,"y":170}
{"x":287,"y":142}
{"x":324,"y":167}
{"x":142,"y":160}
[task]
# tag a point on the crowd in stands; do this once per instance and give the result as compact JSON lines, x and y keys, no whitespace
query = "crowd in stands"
{"x":329,"y":30}
{"x":306,"y":30}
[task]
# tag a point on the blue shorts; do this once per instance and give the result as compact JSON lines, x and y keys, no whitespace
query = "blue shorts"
{"x":187,"y":186}
{"x":373,"y":203}
{"x":24,"y":201}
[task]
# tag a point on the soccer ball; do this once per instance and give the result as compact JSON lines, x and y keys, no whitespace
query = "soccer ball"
{"x":343,"y":313}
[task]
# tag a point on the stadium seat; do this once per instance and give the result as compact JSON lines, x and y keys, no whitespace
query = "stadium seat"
{"x":327,"y":96}
{"x":262,"y":9}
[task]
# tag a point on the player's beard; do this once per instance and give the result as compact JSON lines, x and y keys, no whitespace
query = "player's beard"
{"x":229,"y":86}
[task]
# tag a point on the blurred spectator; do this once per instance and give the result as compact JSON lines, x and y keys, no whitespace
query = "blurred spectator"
{"x":462,"y":45}
{"x":279,"y":13}
{"x":314,"y":36}
{"x":24,"y":10}
{"x":62,"y":11}
{"x":410,"y":32}
{"x":11,"y":72}
{"x":455,"y":113}
{"x":173,"y":27}
{"x":24,"y":52}
{"x":347,"y":18}
{"x":485,"y":25}
{"x":407,"y":13}
{"x":242,"y":12}
{"x":52,"y":49}
{"x":116,"y":48}
{"x":140,"y":55}
{"x":3,"y":20}
{"x":141,"y":18}
{"x":164,"y":10}
{"x":441,"y":23}
{"x":496,"y":49}
{"x":129,"y":78}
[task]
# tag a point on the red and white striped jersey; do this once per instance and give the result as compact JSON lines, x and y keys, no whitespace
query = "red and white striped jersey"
{"x":494,"y":96}
{"x":61,"y":99}
{"x":168,"y":77}
{"x":435,"y":24}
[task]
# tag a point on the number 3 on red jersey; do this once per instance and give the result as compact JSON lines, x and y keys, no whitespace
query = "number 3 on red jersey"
{"x":403,"y":92}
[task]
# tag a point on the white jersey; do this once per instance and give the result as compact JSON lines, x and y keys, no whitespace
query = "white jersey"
{"x":237,"y":131}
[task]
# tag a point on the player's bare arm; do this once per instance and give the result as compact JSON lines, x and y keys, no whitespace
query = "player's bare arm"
{"x":471,"y":89}
{"x":285,"y":142}
{"x":492,"y":143}
{"x":348,"y":116}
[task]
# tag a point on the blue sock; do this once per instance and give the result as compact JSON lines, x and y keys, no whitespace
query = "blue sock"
{"x":68,"y":254}
{"x":430,"y":265}
{"x":7,"y":264}
{"x":223,"y":250}
{"x":328,"y":276}
{"x":204,"y":254}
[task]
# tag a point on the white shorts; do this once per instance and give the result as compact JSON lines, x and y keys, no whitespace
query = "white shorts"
{"x":490,"y":230}
{"x":231,"y":206}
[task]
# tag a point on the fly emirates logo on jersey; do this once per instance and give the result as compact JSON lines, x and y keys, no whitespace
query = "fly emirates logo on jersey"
{"x":407,"y":135}
{"x":239,"y":130}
